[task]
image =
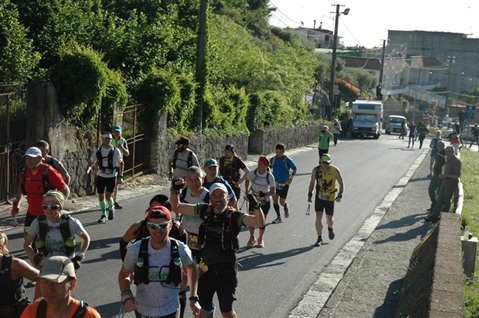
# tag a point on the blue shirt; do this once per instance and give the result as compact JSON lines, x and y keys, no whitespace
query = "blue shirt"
{"x":208,"y":185}
{"x":280,"y":172}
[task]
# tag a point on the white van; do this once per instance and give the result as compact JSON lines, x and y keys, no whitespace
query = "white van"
{"x":393,"y":124}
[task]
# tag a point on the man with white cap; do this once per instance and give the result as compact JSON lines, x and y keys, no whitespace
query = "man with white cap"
{"x":218,"y":238}
{"x":57,"y":279}
{"x":36,"y":179}
{"x":109,"y":172}
{"x":119,"y":142}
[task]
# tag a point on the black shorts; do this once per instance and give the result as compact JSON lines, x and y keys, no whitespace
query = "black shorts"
{"x":264,"y":207}
{"x":321,"y":205}
{"x":282,"y":191}
{"x":223,"y":283}
{"x":105,"y":184}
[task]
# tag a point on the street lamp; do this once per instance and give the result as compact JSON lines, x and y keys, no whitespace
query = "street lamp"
{"x":335,"y":44}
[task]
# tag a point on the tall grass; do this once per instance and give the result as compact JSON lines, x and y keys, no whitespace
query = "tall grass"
{"x":470,"y":214}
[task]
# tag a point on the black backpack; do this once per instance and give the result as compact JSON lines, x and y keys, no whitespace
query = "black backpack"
{"x":64,"y":230}
{"x":190,"y":159}
{"x":45,"y":181}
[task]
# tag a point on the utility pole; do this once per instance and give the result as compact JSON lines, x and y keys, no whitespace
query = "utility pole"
{"x":450,"y":60}
{"x":200,"y":62}
{"x":379,"y":93}
{"x":335,"y":44}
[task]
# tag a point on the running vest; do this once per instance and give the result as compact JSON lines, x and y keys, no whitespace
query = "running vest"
{"x":142,"y":267}
{"x":229,"y":240}
{"x":110,"y":167}
{"x":69,"y":242}
{"x":45,"y":181}
{"x":175,"y":157}
{"x":79,"y":313}
{"x":230,"y":171}
{"x":256,"y":176}
{"x":327,"y":182}
{"x":286,"y":166}
{"x":11,"y":291}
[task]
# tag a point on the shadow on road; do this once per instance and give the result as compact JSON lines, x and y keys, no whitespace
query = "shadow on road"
{"x":257,"y":260}
{"x":407,"y":221}
{"x":390,"y":304}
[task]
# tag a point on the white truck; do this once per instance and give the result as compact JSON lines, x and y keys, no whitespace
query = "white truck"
{"x":367,"y":118}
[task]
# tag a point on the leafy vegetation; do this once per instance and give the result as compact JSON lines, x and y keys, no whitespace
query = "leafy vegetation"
{"x":470,"y":217}
{"x":102,"y":53}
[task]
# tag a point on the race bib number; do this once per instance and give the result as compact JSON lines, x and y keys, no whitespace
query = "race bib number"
{"x":107,"y":171}
{"x":192,"y":241}
{"x":280,"y":186}
{"x":158,"y":274}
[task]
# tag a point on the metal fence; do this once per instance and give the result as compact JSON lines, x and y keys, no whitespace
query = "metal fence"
{"x":13,"y":114}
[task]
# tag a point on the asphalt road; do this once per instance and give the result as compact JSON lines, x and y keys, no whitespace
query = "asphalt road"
{"x":272,"y":280}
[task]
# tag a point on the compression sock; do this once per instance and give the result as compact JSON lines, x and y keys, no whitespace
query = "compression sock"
{"x":276,"y":209}
{"x":430,"y":169}
{"x":103,"y":207}
{"x":111,"y":204}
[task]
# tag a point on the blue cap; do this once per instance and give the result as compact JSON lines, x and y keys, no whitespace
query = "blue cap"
{"x":117,"y":128}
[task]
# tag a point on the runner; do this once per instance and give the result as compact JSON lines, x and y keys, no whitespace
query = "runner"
{"x":230,"y":167}
{"x":335,"y":129}
{"x":325,"y":177}
{"x":55,"y":163}
{"x":412,"y":134}
{"x":119,"y":142}
{"x":324,"y":138}
{"x":106,"y":160}
{"x":181,"y":159}
{"x":284,"y":169}
{"x":211,"y":170}
{"x":262,"y":187}
{"x":433,"y":154}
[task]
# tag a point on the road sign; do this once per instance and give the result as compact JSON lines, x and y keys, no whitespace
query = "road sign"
{"x":470,"y":111}
{"x":440,"y":124}
{"x":425,"y":111}
{"x":426,"y":117}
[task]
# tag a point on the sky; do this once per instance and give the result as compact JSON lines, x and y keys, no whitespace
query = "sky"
{"x":368,"y":21}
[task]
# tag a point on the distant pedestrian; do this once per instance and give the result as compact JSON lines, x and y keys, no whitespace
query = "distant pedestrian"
{"x":119,"y":142}
{"x":324,"y":139}
{"x":435,"y":183}
{"x":108,"y":174}
{"x":55,"y":163}
{"x":450,"y":181}
{"x":462,"y":118}
{"x":422,"y":133}
{"x":403,"y":129}
{"x":456,"y":142}
{"x":284,"y":169}
{"x":324,"y":177}
{"x":475,"y":136}
{"x":433,"y":146}
{"x":181,"y":159}
{"x":335,"y":129}
{"x":211,"y":177}
{"x":412,"y":134}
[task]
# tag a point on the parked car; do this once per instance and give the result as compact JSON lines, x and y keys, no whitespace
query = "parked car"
{"x":393,"y":124}
{"x":466,"y":133}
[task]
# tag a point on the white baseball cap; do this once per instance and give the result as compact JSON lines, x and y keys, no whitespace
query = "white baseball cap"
{"x":218,"y":186}
{"x":33,"y":152}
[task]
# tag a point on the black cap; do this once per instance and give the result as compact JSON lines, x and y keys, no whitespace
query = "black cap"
{"x":183,"y":141}
{"x":230,"y":148}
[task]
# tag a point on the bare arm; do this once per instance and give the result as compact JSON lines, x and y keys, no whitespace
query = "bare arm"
{"x":85,"y":242}
{"x":339,"y":178}
{"x":124,"y":281}
{"x":255,"y":220}
{"x":192,"y":271}
{"x":312,"y":182}
{"x":27,"y":247}
{"x":182,"y":208}
{"x":20,"y":268}
{"x":65,"y":191}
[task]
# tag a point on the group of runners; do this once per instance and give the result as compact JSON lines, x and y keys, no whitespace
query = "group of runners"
{"x":194,"y":231}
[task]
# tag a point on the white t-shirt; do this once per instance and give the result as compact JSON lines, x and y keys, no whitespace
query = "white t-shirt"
{"x":259,"y":182}
{"x":182,"y":163}
{"x":157,"y":298}
{"x":53,"y":240}
{"x":192,"y":222}
{"x":104,"y":154}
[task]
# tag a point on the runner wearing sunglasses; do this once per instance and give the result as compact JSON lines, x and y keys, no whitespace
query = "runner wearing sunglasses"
{"x":54,"y":233}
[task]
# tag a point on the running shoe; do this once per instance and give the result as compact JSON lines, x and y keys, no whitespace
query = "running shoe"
{"x":430,"y":209}
{"x":330,"y":233}
{"x":319,"y":242}
{"x":251,"y":241}
{"x":278,"y":220}
{"x":260,"y":243}
{"x":286,"y":210}
{"x":431,"y":219}
{"x":102,"y":219}
{"x":117,"y":206}
{"x":111,"y":214}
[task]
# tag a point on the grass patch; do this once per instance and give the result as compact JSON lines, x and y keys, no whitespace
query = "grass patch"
{"x":470,"y":213}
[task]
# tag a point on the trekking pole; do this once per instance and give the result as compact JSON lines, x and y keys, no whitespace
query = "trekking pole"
{"x":121,"y":314}
{"x":242,"y":204}
{"x":309,"y":208}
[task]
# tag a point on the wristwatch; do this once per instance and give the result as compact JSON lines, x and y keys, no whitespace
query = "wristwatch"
{"x":195,"y":298}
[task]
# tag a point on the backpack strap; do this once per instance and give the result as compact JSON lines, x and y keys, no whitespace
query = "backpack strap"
{"x":190,"y":158}
{"x":42,"y":233}
{"x":23,"y":173}
{"x":174,"y":273}
{"x":67,"y":234}
{"x":175,"y":157}
{"x":42,"y":309}
{"x":81,"y":310}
